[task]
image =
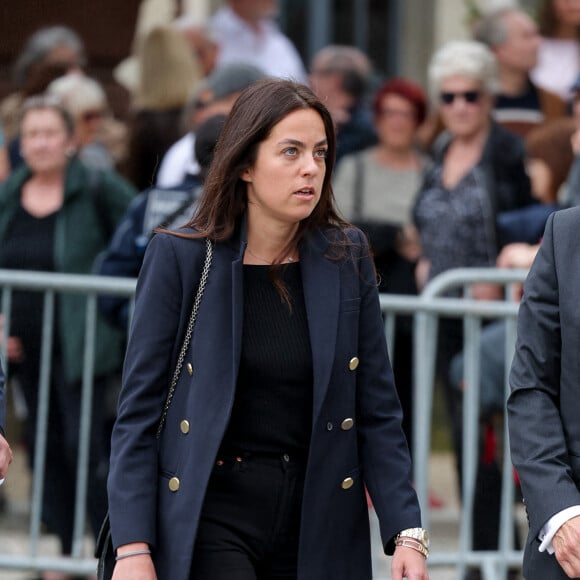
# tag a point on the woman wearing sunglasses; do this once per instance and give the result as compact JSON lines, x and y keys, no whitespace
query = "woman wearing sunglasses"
{"x":478,"y":167}
{"x":478,"y":171}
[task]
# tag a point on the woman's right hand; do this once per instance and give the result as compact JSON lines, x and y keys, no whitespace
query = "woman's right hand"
{"x":135,"y":568}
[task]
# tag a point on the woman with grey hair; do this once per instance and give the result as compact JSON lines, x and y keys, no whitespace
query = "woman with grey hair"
{"x":49,"y":53}
{"x":478,"y":171}
{"x":54,"y":43}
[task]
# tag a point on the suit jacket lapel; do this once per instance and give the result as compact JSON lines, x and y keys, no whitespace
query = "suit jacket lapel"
{"x":321,"y":281}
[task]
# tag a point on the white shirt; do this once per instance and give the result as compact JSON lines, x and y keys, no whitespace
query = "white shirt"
{"x":268,"y":49}
{"x":558,"y":66}
{"x":178,"y":161}
{"x":549,"y":530}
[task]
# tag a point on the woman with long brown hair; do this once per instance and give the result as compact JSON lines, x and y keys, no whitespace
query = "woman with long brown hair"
{"x":286,"y":408}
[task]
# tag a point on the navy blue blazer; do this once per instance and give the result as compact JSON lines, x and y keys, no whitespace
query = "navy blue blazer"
{"x":345,"y":326}
{"x":545,"y":387}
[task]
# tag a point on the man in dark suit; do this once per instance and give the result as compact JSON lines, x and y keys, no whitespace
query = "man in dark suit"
{"x":543,"y":405}
{"x":5,"y":451}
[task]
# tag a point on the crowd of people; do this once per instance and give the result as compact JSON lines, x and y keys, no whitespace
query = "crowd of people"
{"x":462,"y":172}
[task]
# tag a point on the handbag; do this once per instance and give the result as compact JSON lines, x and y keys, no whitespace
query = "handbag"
{"x":104,"y":550}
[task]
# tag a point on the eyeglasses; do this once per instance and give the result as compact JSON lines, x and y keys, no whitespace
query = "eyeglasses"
{"x":89,"y":116}
{"x":198,"y":104}
{"x":471,"y":97}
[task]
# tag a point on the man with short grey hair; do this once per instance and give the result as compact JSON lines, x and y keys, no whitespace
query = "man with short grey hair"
{"x":340,"y":75}
{"x":514,"y":39}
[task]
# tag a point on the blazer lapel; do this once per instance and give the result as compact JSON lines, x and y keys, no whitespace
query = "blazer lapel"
{"x":321,"y":281}
{"x":238,"y":296}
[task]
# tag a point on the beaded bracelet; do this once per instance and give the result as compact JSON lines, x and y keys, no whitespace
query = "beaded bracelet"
{"x":129,"y":554}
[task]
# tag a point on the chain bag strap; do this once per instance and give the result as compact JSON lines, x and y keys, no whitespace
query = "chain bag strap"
{"x":188,"y":333}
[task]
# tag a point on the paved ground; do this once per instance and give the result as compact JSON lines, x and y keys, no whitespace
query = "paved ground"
{"x":444,"y":521}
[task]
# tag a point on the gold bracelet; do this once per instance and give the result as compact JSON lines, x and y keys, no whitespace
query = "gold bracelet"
{"x":413,"y":544}
{"x":405,"y":539}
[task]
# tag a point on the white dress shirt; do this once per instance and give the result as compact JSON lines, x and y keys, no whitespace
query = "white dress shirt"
{"x":178,"y":161}
{"x":268,"y":48}
{"x":558,"y":66}
{"x":550,"y":528}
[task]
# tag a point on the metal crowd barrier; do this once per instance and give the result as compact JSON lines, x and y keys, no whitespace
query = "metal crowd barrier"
{"x":425,"y":309}
{"x":51,"y":284}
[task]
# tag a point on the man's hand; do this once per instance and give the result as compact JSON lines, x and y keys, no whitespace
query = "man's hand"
{"x":566,"y":544}
{"x":5,"y":457}
{"x":408,"y":563}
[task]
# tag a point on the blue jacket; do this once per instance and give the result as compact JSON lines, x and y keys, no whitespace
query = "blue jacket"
{"x":357,"y":133}
{"x":352,"y":379}
{"x":124,"y":256}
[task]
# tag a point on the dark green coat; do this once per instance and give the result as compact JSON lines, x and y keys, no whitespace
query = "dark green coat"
{"x":79,"y":236}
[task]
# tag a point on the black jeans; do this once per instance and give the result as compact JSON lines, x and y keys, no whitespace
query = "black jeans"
{"x":250,"y":522}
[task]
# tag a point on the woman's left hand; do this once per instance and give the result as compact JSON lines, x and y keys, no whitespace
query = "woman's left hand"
{"x":5,"y":457}
{"x":408,"y":563}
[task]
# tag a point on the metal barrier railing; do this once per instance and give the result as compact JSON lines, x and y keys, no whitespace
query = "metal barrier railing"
{"x":51,"y":284}
{"x":425,"y":309}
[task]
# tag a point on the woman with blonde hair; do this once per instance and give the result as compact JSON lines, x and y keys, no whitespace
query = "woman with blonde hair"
{"x":168,"y":73}
{"x":101,"y":139}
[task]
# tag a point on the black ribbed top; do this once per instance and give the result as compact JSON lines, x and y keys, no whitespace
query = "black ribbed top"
{"x":272,"y":410}
{"x":29,"y":245}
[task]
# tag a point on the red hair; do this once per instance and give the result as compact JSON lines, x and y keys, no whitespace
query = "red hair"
{"x":407,"y":90}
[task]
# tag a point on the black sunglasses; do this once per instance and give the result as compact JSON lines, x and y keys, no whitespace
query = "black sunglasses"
{"x":470,"y":97}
